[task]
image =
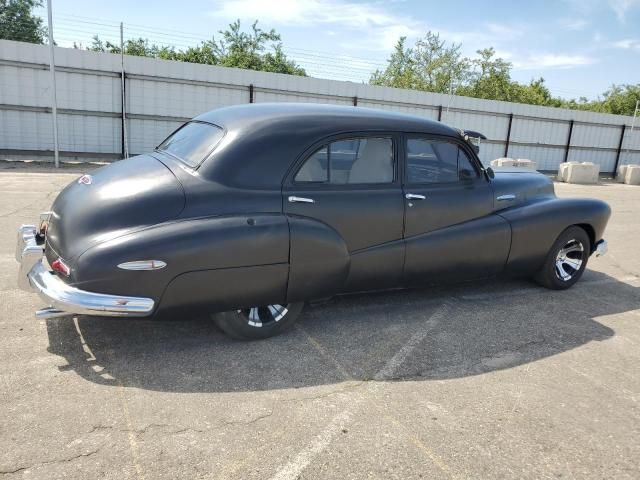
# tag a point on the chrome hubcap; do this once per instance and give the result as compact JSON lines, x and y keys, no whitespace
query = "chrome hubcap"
{"x":569,"y":260}
{"x":262,"y":316}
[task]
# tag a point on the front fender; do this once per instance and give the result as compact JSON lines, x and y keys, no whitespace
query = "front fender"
{"x":535,"y":226}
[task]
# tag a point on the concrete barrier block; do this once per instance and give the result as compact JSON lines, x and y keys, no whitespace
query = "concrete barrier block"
{"x":526,"y":163}
{"x":562,"y":170}
{"x":621,"y":173}
{"x":632,"y":175}
{"x":585,"y":172}
{"x":503,"y":162}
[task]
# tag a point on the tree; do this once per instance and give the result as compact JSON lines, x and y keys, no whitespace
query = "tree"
{"x":490,"y":78}
{"x":17,"y":21}
{"x":431,"y":66}
{"x":235,"y":49}
{"x":621,"y":99}
{"x":400,"y":71}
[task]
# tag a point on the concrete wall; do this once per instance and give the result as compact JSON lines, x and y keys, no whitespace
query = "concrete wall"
{"x":160,"y":95}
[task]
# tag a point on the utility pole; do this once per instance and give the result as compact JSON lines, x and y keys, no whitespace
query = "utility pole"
{"x":54,"y":102}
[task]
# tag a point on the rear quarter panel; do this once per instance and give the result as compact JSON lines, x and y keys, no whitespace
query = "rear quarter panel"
{"x":210,"y":261}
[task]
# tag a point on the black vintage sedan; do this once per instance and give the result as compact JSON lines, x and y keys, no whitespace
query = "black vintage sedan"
{"x":250,"y":211}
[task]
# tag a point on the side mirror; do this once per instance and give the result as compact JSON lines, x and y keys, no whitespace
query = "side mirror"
{"x":490,"y":173}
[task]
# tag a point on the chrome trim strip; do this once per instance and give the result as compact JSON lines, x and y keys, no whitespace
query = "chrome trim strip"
{"x":143,"y":265}
{"x":509,"y":196}
{"x":602,"y":247}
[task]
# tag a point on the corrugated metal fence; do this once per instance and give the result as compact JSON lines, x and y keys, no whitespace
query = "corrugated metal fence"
{"x":160,"y":95}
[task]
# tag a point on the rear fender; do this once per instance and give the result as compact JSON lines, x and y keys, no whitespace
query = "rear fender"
{"x":195,"y":245}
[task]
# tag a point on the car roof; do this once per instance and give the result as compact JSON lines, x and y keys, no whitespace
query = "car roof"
{"x":263,"y":140}
{"x":297,"y":114}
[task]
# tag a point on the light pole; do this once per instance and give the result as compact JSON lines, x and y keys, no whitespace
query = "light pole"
{"x":54,"y":103}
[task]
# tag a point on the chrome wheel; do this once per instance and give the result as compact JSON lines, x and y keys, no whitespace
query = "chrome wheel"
{"x":264,"y":316}
{"x":569,"y":260}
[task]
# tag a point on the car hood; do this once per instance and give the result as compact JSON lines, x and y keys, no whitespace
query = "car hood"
{"x":114,"y":200}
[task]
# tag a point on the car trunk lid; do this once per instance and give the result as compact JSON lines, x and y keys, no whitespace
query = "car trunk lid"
{"x":113,"y":200}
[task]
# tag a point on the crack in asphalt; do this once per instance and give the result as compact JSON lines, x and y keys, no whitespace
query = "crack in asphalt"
{"x":29,"y":205}
{"x":51,"y":462}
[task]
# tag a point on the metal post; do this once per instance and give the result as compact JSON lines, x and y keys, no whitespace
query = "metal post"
{"x":566,"y":150}
{"x":633,"y":124}
{"x":125,"y":142}
{"x":440,"y":113}
{"x":251,"y":93}
{"x":450,"y":95}
{"x":54,"y":101}
{"x":506,"y":143}
{"x":355,"y":101}
{"x":615,"y":168}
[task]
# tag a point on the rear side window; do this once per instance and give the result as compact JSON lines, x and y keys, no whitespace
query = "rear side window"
{"x":350,"y":161}
{"x":437,"y":161}
{"x":193,"y":142}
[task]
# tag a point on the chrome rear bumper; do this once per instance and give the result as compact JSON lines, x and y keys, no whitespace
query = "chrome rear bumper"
{"x":63,"y":299}
{"x":601,"y":248}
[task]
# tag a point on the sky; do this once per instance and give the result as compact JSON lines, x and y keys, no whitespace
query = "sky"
{"x":580,"y":47}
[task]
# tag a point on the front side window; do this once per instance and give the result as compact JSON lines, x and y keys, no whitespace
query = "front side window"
{"x":437,"y":161}
{"x":350,"y":161}
{"x":193,"y":142}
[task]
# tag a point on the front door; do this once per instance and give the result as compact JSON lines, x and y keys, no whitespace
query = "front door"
{"x":345,"y":210}
{"x":451,"y":232}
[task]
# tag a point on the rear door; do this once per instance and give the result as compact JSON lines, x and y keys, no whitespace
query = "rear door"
{"x":345,"y":207}
{"x":450,"y":230}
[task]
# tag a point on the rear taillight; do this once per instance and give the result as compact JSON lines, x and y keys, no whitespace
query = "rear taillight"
{"x":60,"y":267}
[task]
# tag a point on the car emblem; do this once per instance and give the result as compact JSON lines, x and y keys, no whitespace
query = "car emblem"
{"x":85,"y":180}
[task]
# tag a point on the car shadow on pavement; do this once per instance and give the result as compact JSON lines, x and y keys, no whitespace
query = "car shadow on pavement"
{"x":463,"y":330}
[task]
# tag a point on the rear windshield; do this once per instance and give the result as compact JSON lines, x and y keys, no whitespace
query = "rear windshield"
{"x":192,"y":142}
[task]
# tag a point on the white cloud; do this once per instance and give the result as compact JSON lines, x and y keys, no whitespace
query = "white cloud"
{"x":377,"y":27}
{"x":379,"y":24}
{"x":504,"y":32}
{"x":575,"y":24}
{"x":552,"y":60}
{"x":621,"y":7}
{"x":627,"y":44}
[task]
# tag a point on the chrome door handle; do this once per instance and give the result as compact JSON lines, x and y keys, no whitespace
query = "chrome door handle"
{"x":293,"y":199}
{"x":414,"y":196}
{"x":510,"y":196}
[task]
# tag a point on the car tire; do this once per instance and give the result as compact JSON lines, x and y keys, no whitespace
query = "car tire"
{"x":258,"y":322}
{"x":566,"y":260}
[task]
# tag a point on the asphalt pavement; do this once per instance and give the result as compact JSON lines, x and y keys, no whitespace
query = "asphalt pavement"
{"x":496,"y":379}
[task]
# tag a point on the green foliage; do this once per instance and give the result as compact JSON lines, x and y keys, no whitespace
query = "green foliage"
{"x":17,"y":21}
{"x":234,"y":49}
{"x":433,"y":66}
